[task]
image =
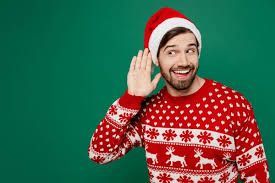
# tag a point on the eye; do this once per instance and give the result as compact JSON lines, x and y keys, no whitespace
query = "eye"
{"x":171,"y":52}
{"x":192,"y":50}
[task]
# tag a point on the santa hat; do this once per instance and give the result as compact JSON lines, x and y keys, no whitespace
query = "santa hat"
{"x":160,"y":23}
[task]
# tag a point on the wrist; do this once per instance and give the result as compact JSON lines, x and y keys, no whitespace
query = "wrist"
{"x":130,"y":100}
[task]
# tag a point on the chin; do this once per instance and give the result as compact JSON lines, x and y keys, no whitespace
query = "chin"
{"x":182,"y":84}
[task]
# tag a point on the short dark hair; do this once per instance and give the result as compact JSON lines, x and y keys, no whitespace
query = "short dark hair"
{"x":172,"y":33}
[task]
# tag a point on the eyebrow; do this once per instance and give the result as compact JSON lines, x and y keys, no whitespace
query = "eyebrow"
{"x":189,"y":45}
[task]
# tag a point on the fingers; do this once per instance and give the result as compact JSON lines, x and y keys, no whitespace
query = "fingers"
{"x":144,"y":58}
{"x":149,"y":62}
{"x":138,"y":61}
{"x":133,"y":63}
{"x":156,"y":80}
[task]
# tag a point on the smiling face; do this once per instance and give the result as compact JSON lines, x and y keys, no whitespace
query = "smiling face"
{"x":178,"y":61}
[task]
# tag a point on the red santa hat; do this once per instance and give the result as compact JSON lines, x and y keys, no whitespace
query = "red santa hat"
{"x":160,"y":23}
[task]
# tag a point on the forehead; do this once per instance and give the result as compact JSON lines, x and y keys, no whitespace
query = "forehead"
{"x":183,"y":39}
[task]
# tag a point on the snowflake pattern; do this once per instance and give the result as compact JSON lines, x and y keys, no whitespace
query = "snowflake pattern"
{"x":259,"y":152}
{"x":224,"y":177}
{"x":206,"y":180}
{"x":98,"y":159}
{"x":185,"y":179}
{"x":224,"y":141}
{"x":245,"y":159}
{"x":113,"y":110}
{"x":205,"y":137}
{"x":131,"y":132}
{"x":164,"y":178}
{"x":186,"y":136}
{"x":169,"y":134}
{"x":152,"y":133}
{"x":125,"y":117}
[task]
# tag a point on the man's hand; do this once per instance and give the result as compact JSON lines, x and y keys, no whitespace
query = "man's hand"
{"x":139,"y":75}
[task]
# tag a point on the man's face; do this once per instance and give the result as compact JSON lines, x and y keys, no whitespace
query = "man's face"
{"x":178,"y":61}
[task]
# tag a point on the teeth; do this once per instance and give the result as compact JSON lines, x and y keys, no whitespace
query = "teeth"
{"x":182,"y":71}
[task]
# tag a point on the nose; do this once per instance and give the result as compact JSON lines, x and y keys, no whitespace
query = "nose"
{"x":183,"y":60}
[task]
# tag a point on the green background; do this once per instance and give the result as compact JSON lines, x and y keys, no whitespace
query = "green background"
{"x":64,"y":62}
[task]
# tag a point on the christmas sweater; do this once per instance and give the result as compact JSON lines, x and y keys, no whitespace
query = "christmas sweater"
{"x":210,"y":136}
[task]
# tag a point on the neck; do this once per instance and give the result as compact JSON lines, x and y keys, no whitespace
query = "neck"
{"x":196,"y":84}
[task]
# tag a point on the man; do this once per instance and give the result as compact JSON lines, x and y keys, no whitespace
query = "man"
{"x":194,"y":129}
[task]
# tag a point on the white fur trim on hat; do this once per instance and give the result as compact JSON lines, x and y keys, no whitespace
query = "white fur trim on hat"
{"x":164,"y":27}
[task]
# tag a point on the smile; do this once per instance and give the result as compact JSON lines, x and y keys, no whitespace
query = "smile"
{"x":182,"y":74}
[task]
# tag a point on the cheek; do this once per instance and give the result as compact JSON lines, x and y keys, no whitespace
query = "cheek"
{"x":166,"y":67}
{"x":194,"y":62}
{"x":166,"y":64}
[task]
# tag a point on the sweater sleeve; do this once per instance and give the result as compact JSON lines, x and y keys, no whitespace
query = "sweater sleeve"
{"x":119,"y":131}
{"x":250,"y":154}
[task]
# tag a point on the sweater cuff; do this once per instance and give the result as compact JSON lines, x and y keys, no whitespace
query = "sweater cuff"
{"x":131,"y":101}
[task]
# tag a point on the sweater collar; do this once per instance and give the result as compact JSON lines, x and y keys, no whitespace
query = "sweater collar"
{"x":178,"y":99}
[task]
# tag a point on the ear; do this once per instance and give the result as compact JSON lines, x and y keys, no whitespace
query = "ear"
{"x":157,"y":62}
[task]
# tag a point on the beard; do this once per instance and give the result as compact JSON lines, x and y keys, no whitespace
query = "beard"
{"x":180,"y":84}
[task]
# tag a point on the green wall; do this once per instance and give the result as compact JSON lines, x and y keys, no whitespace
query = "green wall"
{"x":64,"y":62}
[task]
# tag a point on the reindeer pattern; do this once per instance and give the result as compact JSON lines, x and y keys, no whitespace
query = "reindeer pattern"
{"x":202,"y":160}
{"x":152,"y":156}
{"x":252,"y":179}
{"x":175,"y":158}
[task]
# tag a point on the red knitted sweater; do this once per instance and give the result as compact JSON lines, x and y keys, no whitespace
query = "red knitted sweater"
{"x":210,"y":136}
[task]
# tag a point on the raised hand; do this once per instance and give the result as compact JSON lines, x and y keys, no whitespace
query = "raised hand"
{"x":139,"y":75}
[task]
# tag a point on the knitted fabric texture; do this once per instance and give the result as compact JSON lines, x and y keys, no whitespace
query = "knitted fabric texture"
{"x":209,"y":136}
